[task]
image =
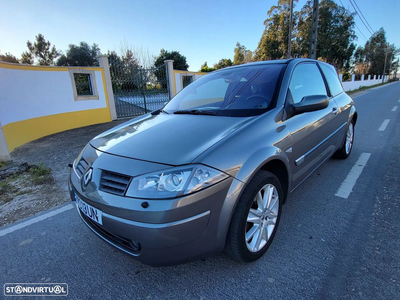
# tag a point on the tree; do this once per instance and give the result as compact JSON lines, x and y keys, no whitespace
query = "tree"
{"x":41,"y":51}
{"x":206,"y":68}
{"x":274,"y":40}
{"x":223,"y":63}
{"x":126,"y":74}
{"x":179,"y":59}
{"x":80,"y":55}
{"x":374,"y":53}
{"x":242,"y":55}
{"x":8,"y":57}
{"x":335,"y":33}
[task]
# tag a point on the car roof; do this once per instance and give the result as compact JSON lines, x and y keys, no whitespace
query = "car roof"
{"x":271,"y":62}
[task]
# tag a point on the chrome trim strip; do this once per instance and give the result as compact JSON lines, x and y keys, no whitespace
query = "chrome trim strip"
{"x":156,"y":226}
{"x":301,"y":159}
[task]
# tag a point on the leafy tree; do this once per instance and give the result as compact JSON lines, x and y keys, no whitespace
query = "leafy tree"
{"x":223,"y":63}
{"x":180,"y":62}
{"x":374,"y":53}
{"x":206,"y":68}
{"x":242,"y":54}
{"x":80,"y":55}
{"x":274,"y":40}
{"x":335,"y":33}
{"x":8,"y":57}
{"x":125,"y":72}
{"x":41,"y":51}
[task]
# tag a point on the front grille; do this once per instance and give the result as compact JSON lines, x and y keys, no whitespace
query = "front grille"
{"x":114,"y":183}
{"x":81,"y":166}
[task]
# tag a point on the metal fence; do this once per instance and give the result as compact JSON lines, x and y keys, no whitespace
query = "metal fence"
{"x":138,"y":90}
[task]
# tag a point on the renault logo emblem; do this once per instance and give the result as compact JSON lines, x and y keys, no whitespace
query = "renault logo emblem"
{"x":87,"y":178}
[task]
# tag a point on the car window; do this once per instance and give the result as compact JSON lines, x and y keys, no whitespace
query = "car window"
{"x":332,"y":78}
{"x":306,"y":81}
{"x":248,"y":90}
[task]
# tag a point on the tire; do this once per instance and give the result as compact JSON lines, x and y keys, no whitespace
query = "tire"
{"x":259,"y":224}
{"x":344,"y":151}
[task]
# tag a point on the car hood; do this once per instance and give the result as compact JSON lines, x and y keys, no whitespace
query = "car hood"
{"x":167,"y":138}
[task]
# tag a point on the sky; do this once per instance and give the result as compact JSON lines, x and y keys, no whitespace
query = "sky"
{"x":203,"y":31}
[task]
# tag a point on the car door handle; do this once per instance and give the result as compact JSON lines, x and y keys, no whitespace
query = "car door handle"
{"x":335,"y":110}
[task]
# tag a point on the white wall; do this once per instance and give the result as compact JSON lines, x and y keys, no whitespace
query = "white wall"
{"x":356,"y":84}
{"x":27,"y":94}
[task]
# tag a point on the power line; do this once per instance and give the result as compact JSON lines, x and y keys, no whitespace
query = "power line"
{"x":359,"y":30}
{"x":363,"y":15}
{"x":360,"y":17}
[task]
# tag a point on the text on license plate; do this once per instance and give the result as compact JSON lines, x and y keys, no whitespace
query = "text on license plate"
{"x":89,"y":211}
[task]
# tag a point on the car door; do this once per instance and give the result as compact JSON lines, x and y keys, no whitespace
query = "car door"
{"x":342,"y":100}
{"x":312,"y":132}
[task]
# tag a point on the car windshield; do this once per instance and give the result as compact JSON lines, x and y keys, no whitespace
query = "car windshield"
{"x":245,"y":91}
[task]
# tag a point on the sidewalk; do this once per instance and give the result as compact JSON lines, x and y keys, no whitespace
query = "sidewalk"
{"x":58,"y":150}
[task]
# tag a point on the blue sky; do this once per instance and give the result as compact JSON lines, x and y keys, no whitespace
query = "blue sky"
{"x":205,"y":30}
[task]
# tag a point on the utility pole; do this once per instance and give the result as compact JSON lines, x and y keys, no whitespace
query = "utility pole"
{"x":314,"y":27}
{"x":384,"y":66}
{"x":289,"y":48}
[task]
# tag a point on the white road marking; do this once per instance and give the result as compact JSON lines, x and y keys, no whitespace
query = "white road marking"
{"x":347,"y":185}
{"x":36,"y":219}
{"x":395,"y":108}
{"x":384,"y":125}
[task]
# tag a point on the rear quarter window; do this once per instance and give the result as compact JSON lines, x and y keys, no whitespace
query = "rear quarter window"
{"x":331,"y":77}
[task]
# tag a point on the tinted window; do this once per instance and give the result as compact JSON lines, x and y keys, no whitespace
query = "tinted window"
{"x":231,"y":91}
{"x":306,"y":81}
{"x":333,"y":81}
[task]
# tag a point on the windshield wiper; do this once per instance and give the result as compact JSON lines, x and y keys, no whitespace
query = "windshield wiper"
{"x":195,"y":112}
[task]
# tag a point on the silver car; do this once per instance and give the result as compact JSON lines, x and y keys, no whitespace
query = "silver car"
{"x":211,"y":170}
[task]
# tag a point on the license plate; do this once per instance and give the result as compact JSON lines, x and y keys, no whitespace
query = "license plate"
{"x":89,"y":211}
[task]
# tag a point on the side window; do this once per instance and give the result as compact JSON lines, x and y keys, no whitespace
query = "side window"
{"x":306,"y":81}
{"x":332,"y":78}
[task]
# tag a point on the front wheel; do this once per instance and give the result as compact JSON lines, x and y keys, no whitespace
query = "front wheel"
{"x":256,"y":218}
{"x":344,"y":151}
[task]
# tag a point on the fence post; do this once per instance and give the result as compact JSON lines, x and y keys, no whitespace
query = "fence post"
{"x":103,"y":61}
{"x":353,"y":77}
{"x":369,"y":77}
{"x":4,"y":154}
{"x":170,"y":76}
{"x":341,"y":77}
{"x":362,"y":77}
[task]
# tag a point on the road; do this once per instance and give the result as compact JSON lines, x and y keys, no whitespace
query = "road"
{"x":327,"y":246}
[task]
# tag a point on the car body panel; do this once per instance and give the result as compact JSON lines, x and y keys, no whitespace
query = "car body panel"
{"x":155,"y":138}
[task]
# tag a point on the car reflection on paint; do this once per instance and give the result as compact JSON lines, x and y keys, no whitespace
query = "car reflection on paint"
{"x":211,"y":170}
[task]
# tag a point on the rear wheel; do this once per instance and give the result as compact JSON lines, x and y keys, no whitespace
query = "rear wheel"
{"x":344,"y":151}
{"x":256,"y":218}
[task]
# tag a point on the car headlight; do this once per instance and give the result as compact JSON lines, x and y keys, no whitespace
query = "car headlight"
{"x":174,"y":182}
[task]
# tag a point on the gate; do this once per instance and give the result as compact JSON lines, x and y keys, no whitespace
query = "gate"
{"x":137,"y":90}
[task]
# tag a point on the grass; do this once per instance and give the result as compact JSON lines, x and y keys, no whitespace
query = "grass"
{"x":21,"y":183}
{"x":39,"y":174}
{"x":7,"y":189}
{"x":4,"y":163}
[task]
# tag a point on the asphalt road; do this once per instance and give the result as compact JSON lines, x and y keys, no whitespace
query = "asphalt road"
{"x":327,"y":247}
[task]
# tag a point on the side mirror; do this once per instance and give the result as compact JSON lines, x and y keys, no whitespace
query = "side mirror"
{"x":311,"y":103}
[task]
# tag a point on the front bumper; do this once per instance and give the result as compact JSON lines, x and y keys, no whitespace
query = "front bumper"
{"x":176,"y":230}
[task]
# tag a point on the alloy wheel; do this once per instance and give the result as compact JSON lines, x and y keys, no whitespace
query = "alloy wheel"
{"x":262,"y":217}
